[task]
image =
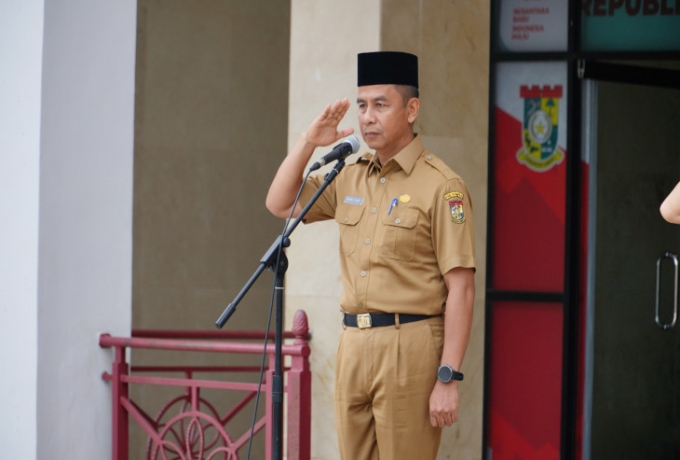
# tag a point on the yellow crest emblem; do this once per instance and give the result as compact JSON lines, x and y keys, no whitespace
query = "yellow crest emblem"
{"x":455,"y":200}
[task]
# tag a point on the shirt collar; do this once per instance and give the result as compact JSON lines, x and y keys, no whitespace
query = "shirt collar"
{"x":406,"y":158}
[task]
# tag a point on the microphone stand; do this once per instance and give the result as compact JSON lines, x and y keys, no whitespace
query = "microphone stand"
{"x":269,"y":260}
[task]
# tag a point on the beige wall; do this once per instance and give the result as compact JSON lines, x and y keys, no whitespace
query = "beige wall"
{"x":211,"y":115}
{"x":211,"y":118}
{"x":451,"y":40}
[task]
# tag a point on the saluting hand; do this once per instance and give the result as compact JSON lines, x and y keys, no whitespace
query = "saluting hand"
{"x":324,"y":129}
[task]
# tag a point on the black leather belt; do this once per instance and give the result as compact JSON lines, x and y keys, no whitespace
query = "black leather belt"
{"x":366,"y":320}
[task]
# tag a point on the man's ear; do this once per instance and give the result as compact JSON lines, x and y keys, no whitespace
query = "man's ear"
{"x":413,"y":107}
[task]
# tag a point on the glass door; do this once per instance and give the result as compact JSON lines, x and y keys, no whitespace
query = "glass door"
{"x":632,"y":382}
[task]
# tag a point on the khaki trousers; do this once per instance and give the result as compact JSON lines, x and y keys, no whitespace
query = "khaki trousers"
{"x":383,"y":380}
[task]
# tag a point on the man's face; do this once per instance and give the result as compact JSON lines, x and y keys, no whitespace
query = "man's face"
{"x":385,"y":121}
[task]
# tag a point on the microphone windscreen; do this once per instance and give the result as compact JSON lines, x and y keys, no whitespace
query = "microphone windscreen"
{"x":354,"y":142}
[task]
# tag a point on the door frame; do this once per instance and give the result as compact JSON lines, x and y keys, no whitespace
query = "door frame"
{"x":589,"y":69}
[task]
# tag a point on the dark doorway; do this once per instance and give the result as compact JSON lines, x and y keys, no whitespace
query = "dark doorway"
{"x":632,"y":384}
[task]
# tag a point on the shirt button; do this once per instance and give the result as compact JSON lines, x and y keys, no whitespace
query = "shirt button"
{"x":397,"y":220}
{"x":361,"y":305}
{"x":383,"y":180}
{"x":429,"y":157}
{"x":363,"y":272}
{"x":374,"y":210}
{"x":346,"y":219}
{"x":368,"y":241}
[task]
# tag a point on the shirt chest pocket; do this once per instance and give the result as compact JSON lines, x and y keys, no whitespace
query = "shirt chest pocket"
{"x":348,"y":218}
{"x":400,"y":234}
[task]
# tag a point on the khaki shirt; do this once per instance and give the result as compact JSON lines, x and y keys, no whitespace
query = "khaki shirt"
{"x":401,"y":227}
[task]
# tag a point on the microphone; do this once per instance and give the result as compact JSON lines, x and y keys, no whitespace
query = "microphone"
{"x":341,"y":151}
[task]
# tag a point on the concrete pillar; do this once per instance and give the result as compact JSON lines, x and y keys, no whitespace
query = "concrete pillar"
{"x":85,"y":242}
{"x":326,"y":36}
{"x":21,"y":39}
{"x":451,"y":40}
{"x":66,"y":143}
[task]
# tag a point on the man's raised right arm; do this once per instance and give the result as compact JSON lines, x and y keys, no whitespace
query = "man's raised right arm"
{"x":288,"y":180}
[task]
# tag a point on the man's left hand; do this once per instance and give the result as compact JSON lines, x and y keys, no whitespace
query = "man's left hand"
{"x":444,"y":404}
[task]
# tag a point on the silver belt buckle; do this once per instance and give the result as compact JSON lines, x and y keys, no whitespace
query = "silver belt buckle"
{"x":364,"y":321}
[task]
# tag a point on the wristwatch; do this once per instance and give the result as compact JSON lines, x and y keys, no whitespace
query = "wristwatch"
{"x":446,"y":373}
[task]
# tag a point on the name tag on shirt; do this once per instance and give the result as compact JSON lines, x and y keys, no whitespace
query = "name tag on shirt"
{"x":355,"y":200}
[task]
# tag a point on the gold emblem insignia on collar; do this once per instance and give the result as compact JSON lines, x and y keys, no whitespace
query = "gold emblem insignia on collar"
{"x":364,"y":321}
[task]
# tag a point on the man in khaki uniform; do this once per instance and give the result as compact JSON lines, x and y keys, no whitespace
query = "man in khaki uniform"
{"x":407,"y":259}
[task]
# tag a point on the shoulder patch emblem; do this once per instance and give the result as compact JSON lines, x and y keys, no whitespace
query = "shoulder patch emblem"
{"x":455,"y":200}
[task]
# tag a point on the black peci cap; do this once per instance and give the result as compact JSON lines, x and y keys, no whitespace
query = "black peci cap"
{"x":387,"y":68}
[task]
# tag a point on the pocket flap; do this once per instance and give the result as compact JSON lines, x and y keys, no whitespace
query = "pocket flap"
{"x":347,"y":214}
{"x":403,"y":218}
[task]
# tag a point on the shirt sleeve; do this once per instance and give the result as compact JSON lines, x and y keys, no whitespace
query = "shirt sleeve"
{"x":324,"y":207}
{"x":453,"y":236}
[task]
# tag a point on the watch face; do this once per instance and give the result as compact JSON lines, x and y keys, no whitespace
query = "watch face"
{"x":445,"y":373}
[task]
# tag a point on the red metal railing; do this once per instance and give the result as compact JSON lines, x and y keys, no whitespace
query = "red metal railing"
{"x":196,"y":431}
